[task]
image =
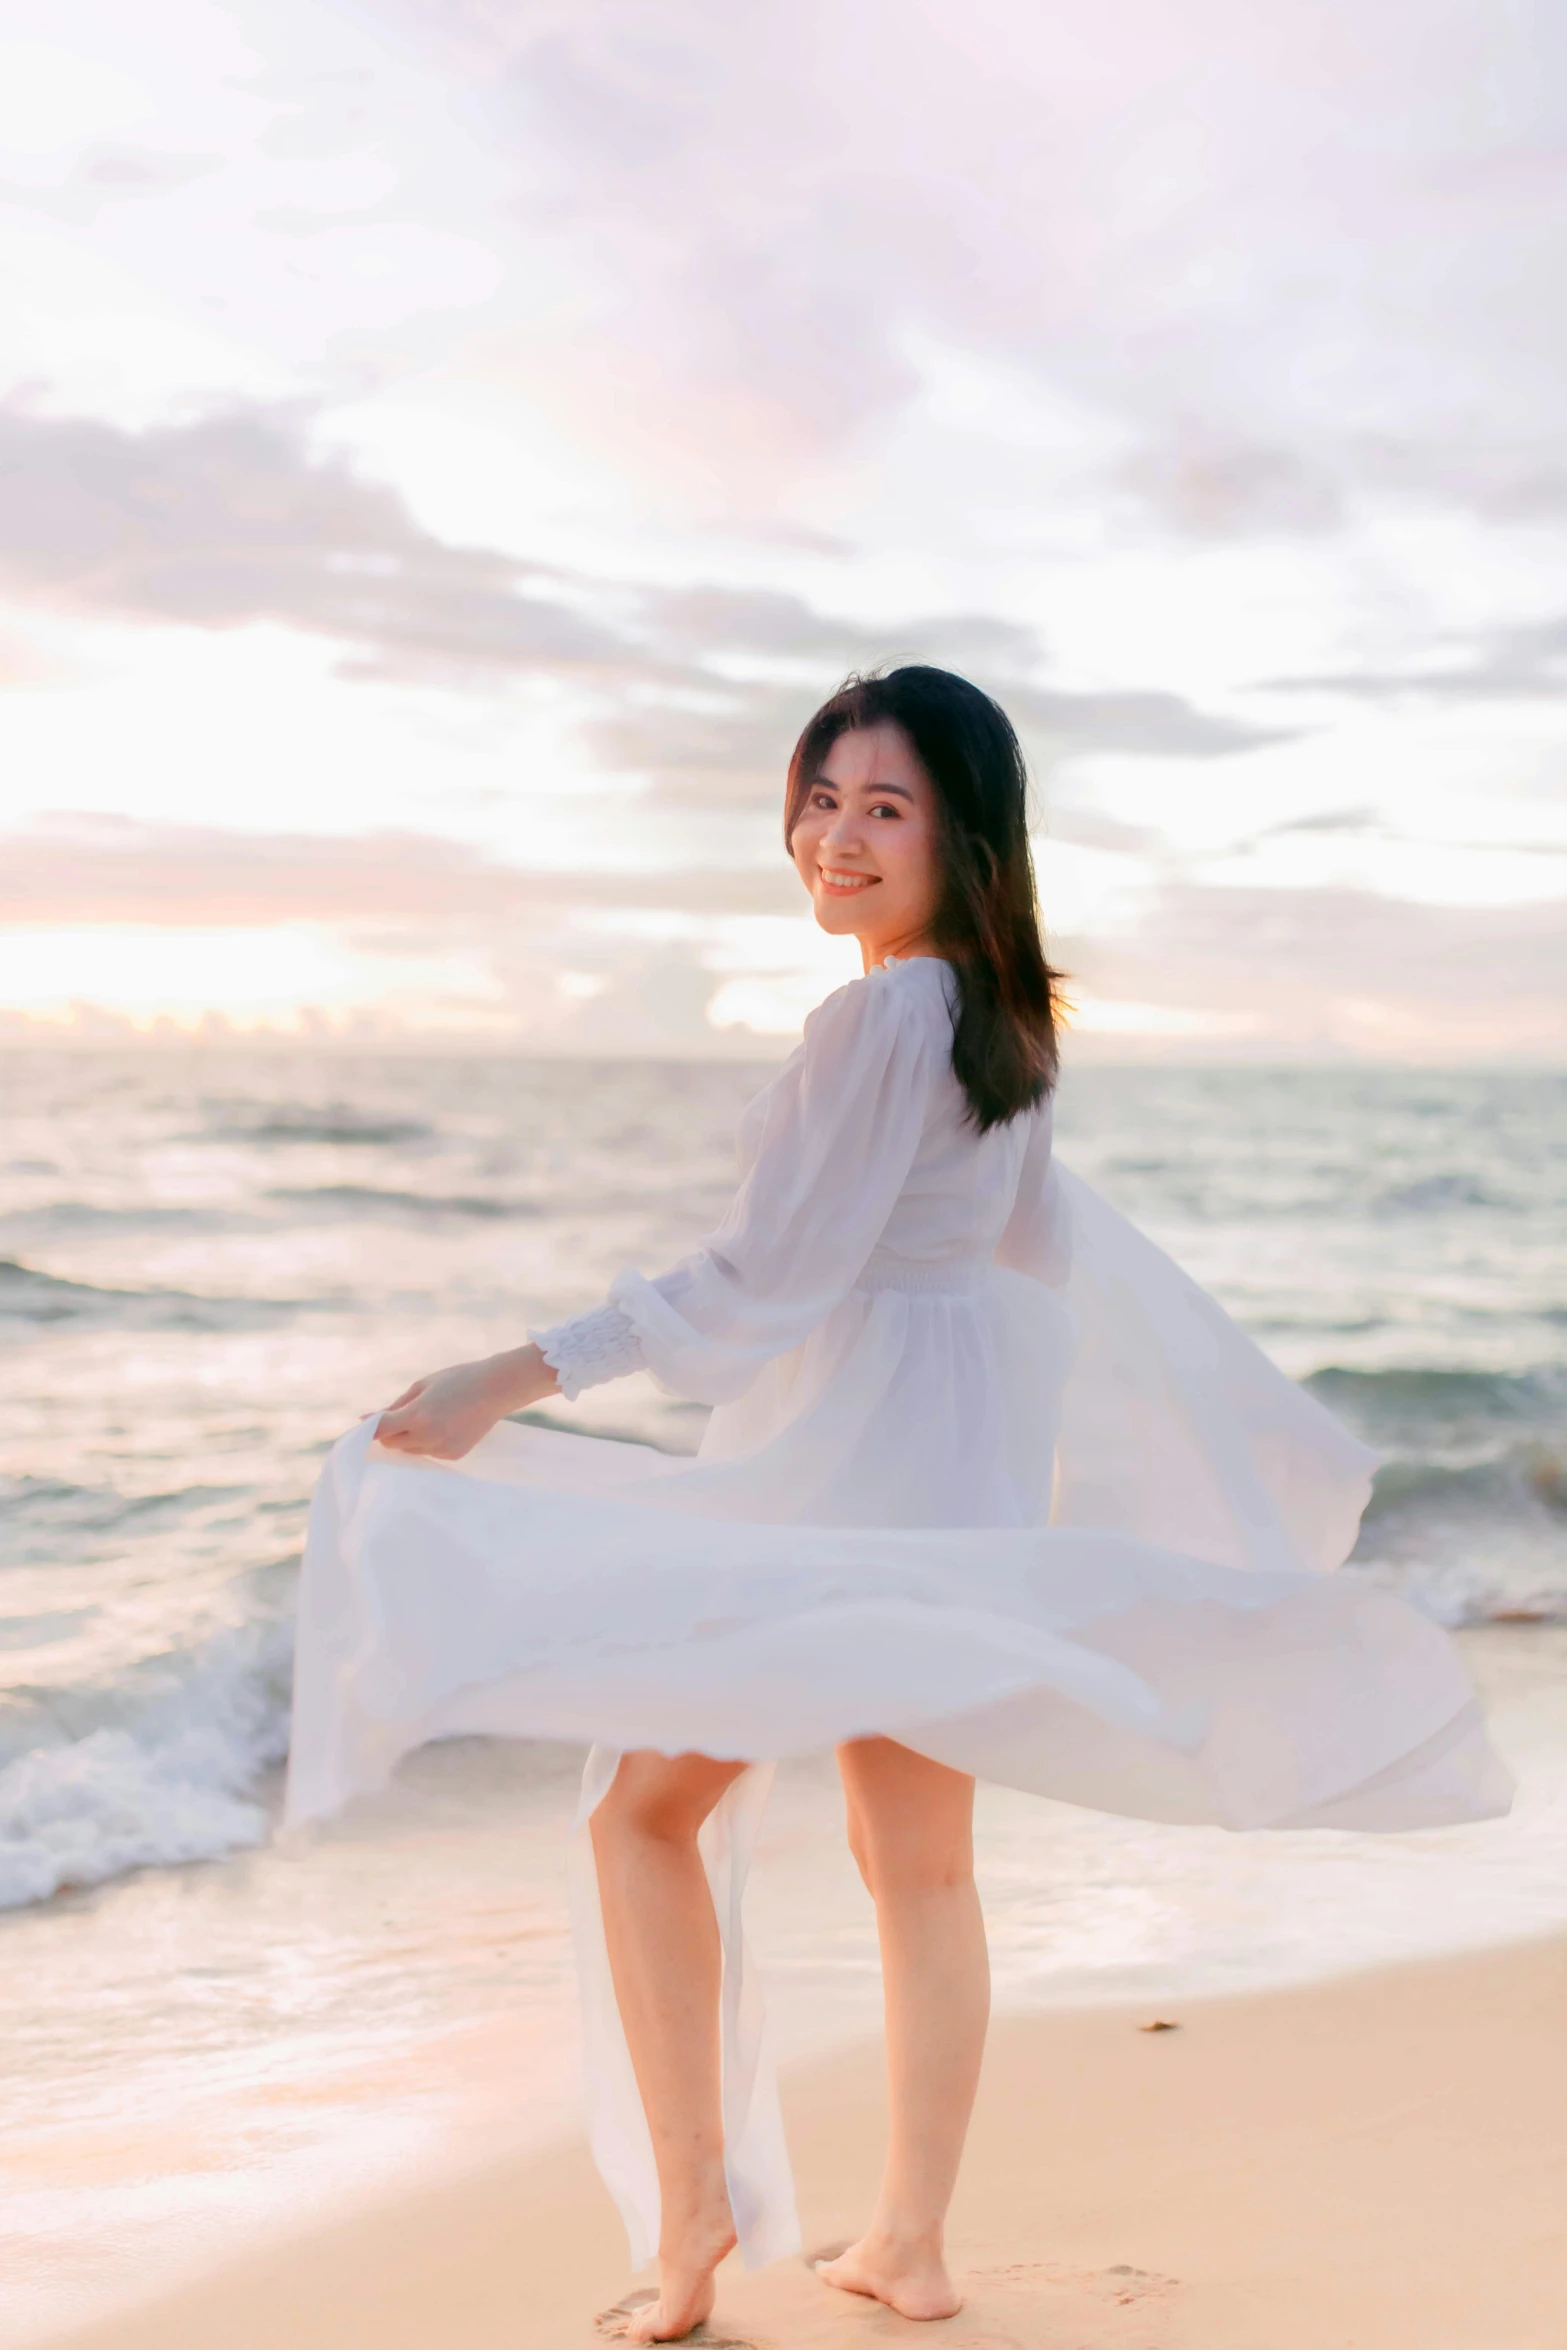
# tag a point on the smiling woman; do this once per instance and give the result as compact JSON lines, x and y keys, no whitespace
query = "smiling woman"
{"x":906,"y":814}
{"x":990,"y":1489}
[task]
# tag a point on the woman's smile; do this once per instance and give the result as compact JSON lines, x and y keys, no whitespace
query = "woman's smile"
{"x":870,"y":797}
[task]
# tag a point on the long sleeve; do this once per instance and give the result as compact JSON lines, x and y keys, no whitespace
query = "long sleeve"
{"x":1038,"y":1239}
{"x":839,"y":1130}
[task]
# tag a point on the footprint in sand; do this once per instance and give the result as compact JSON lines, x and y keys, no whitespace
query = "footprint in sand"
{"x":1057,"y":2293}
{"x":1137,"y":2284}
{"x":612,"y":2324}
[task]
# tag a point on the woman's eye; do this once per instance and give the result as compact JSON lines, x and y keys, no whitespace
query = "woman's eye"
{"x":885,"y":808}
{"x":823,"y":799}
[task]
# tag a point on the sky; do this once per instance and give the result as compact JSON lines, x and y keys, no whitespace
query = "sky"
{"x":446,"y":451}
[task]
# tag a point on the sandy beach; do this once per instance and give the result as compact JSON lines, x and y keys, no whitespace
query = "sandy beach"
{"x":1377,"y":2163}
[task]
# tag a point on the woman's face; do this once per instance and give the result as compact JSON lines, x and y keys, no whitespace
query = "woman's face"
{"x":866,"y":843}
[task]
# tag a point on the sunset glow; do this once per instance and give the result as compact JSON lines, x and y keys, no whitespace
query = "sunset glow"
{"x":447,"y":454}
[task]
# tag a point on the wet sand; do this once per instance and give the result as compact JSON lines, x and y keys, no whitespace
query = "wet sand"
{"x":1377,"y":2163}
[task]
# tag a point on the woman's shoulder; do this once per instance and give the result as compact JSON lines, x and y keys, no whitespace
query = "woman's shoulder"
{"x":904,"y":991}
{"x":930,"y":975}
{"x":894,"y":1017}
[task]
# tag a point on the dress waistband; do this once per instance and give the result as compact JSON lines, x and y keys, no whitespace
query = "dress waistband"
{"x":958,"y":1277}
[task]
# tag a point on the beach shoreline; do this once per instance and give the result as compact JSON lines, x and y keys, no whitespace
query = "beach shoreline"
{"x":201,"y":2062}
{"x":1377,"y":2162}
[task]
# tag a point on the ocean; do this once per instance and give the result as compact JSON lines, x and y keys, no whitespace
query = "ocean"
{"x":209,"y":1266}
{"x":212,"y":1261}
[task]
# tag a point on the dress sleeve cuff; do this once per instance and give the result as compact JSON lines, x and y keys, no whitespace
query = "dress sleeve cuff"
{"x":590,"y":1348}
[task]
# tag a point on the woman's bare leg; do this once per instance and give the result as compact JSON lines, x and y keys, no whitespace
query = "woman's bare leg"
{"x":664,"y":1956}
{"x":911,"y":1831}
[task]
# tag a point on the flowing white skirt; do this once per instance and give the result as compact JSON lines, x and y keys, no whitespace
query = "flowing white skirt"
{"x":1068,"y":1539}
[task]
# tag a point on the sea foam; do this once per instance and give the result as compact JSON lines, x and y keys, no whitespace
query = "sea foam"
{"x":174,"y":1781}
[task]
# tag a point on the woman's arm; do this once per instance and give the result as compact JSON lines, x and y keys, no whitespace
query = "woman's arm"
{"x":444,"y":1415}
{"x":839,"y":1136}
{"x":842,"y":1126}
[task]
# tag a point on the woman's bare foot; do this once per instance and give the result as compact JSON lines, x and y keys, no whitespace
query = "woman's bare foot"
{"x":911,"y":2277}
{"x":686,"y":2262}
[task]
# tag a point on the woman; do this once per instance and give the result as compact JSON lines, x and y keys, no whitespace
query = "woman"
{"x":989,"y":1487}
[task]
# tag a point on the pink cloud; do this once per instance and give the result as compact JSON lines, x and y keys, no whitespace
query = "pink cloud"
{"x":91,"y":868}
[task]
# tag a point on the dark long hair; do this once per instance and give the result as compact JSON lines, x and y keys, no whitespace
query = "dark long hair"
{"x":987,"y":916}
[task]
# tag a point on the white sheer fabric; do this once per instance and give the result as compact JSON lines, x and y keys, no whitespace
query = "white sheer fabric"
{"x":987,"y":1473}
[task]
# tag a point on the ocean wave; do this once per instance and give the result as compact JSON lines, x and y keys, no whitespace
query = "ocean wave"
{"x":72,"y":1216}
{"x":1386,"y":1404}
{"x":1468,"y":1511}
{"x":1466,"y":1587}
{"x":1481,"y":1540}
{"x":26,"y":1295}
{"x":363,"y":1199}
{"x":1523,"y":1480}
{"x":36,"y":1512}
{"x":167,"y":1773}
{"x":338,"y":1124}
{"x":1435,"y":1195}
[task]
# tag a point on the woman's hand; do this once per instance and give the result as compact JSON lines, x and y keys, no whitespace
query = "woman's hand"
{"x":445,"y":1415}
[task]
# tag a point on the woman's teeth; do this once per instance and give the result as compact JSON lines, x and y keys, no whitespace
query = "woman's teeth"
{"x":846,"y":880}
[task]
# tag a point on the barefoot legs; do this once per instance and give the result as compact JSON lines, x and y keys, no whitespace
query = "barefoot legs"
{"x":910,"y":1827}
{"x":911,"y":1832}
{"x":664,"y":1955}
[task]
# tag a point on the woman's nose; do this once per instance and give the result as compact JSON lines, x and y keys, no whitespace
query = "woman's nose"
{"x":843,"y":832}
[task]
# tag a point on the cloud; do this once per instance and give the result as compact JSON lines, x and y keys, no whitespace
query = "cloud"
{"x":1215,"y":483}
{"x":1291,"y":253}
{"x":1208,"y":487}
{"x":89,"y":868}
{"x":1090,"y":828}
{"x":1090,"y":355}
{"x":1149,"y":725}
{"x":232,"y":518}
{"x":1343,"y":969}
{"x":105,"y":175}
{"x":767,"y":621}
{"x":1332,"y":820}
{"x":1508,"y":664}
{"x":235,"y":518}
{"x":730,"y":749}
{"x":452,"y":942}
{"x":1324,"y":972}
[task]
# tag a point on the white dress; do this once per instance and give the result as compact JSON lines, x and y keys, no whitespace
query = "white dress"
{"x":987,"y":1473}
